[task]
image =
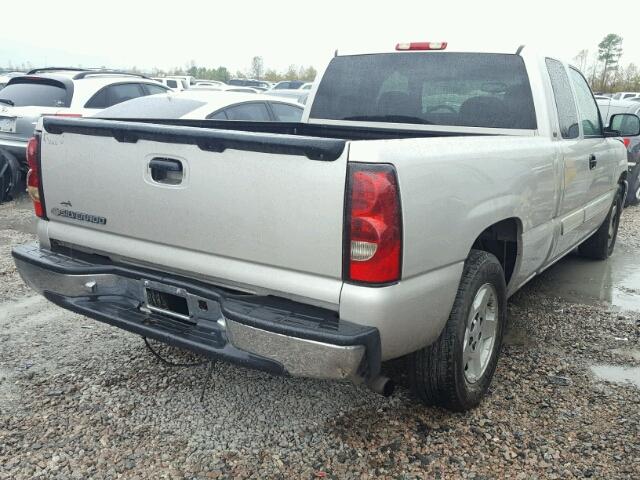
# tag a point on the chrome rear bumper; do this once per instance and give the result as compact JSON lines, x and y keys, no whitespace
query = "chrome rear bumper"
{"x":267,"y":333}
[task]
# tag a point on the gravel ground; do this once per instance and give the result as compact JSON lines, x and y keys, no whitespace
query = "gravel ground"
{"x":79,"y":399}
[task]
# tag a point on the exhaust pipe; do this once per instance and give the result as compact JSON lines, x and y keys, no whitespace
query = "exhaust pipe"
{"x":382,"y":385}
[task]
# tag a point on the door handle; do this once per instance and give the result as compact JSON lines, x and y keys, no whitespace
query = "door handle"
{"x":593,"y":161}
{"x":166,"y":170}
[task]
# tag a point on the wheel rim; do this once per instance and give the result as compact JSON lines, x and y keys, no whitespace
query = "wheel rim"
{"x":613,"y":223}
{"x":480,"y":334}
{"x":638,"y":194}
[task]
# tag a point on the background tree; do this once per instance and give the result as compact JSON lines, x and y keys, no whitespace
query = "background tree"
{"x":631,"y":78}
{"x":581,"y":59}
{"x":257,"y":68}
{"x":291,"y":73}
{"x":609,"y":52}
{"x":271,"y":75}
{"x":308,"y":74}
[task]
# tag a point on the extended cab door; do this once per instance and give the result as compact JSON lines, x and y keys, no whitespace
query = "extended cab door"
{"x":576,"y":175}
{"x":599,"y":154}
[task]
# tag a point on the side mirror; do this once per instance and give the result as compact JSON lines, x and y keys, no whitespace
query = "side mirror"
{"x":623,"y":125}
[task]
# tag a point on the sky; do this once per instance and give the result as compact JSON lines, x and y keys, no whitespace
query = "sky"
{"x":145,"y":34}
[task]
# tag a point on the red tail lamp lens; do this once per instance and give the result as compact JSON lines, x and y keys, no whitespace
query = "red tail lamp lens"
{"x":33,"y":176}
{"x":374,"y":243}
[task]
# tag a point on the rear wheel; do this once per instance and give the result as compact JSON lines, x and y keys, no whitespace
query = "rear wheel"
{"x":456,"y":370}
{"x":601,"y":244}
{"x":9,"y":176}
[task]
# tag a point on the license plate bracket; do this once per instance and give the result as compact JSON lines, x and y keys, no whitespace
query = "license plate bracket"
{"x":167,"y":300}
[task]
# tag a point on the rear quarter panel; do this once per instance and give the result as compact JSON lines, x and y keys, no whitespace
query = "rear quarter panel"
{"x":454,"y":188}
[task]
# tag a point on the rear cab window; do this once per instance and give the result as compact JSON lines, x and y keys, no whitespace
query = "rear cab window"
{"x":444,"y":88}
{"x":36,"y":92}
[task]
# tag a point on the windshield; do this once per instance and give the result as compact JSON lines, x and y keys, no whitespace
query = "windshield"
{"x":34,"y":94}
{"x":456,"y":89}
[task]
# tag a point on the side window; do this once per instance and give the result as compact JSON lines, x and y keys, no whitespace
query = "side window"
{"x":589,"y":114}
{"x":154,"y":89}
{"x":123,"y":92}
{"x":630,"y":95}
{"x":218,"y":116}
{"x":172,"y":84}
{"x":286,"y":113}
{"x":566,"y":106}
{"x":255,"y":112}
{"x":99,"y":100}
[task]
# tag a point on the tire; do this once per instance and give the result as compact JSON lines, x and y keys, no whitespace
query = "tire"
{"x":446,"y":373}
{"x":10,"y":174}
{"x":601,"y":244}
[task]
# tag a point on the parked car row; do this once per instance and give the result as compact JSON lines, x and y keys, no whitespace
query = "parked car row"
{"x":183,"y":82}
{"x":62,"y":92}
{"x":212,"y":105}
{"x":81,"y":92}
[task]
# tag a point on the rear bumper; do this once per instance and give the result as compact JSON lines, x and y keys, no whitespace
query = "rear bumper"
{"x":263,"y":332}
{"x":16,"y":147}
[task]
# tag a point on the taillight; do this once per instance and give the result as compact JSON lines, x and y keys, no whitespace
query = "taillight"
{"x":373,"y":225}
{"x":626,"y":142}
{"x":34,"y":183}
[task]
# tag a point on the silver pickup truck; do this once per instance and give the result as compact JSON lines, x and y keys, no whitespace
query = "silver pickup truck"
{"x":421,"y":189}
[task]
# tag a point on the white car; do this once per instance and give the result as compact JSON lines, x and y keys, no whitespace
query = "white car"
{"x":609,"y":107}
{"x":625,"y":95}
{"x":208,"y":105}
{"x":299,"y":95}
{"x":208,"y":83}
{"x":224,"y":88}
{"x":5,"y":77}
{"x":176,"y":84}
{"x":56,"y":91}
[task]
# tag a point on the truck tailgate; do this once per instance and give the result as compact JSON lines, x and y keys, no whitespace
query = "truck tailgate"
{"x":243,"y":200}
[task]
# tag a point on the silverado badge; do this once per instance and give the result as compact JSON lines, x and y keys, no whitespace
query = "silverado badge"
{"x":83,"y":217}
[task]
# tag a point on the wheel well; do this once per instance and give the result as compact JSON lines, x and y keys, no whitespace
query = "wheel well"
{"x":501,"y":239}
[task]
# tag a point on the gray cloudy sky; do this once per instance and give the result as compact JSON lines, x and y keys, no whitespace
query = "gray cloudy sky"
{"x":124,"y":33}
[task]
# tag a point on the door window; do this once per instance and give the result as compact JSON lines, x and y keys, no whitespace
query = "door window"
{"x":154,"y":89}
{"x":286,"y":113}
{"x":255,"y":112}
{"x":587,"y":106}
{"x":114,"y":94}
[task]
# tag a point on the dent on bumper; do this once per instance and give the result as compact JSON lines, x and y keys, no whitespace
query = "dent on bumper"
{"x":261,"y":332}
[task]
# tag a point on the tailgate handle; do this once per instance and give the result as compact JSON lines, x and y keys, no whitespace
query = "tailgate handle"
{"x":166,"y":170}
